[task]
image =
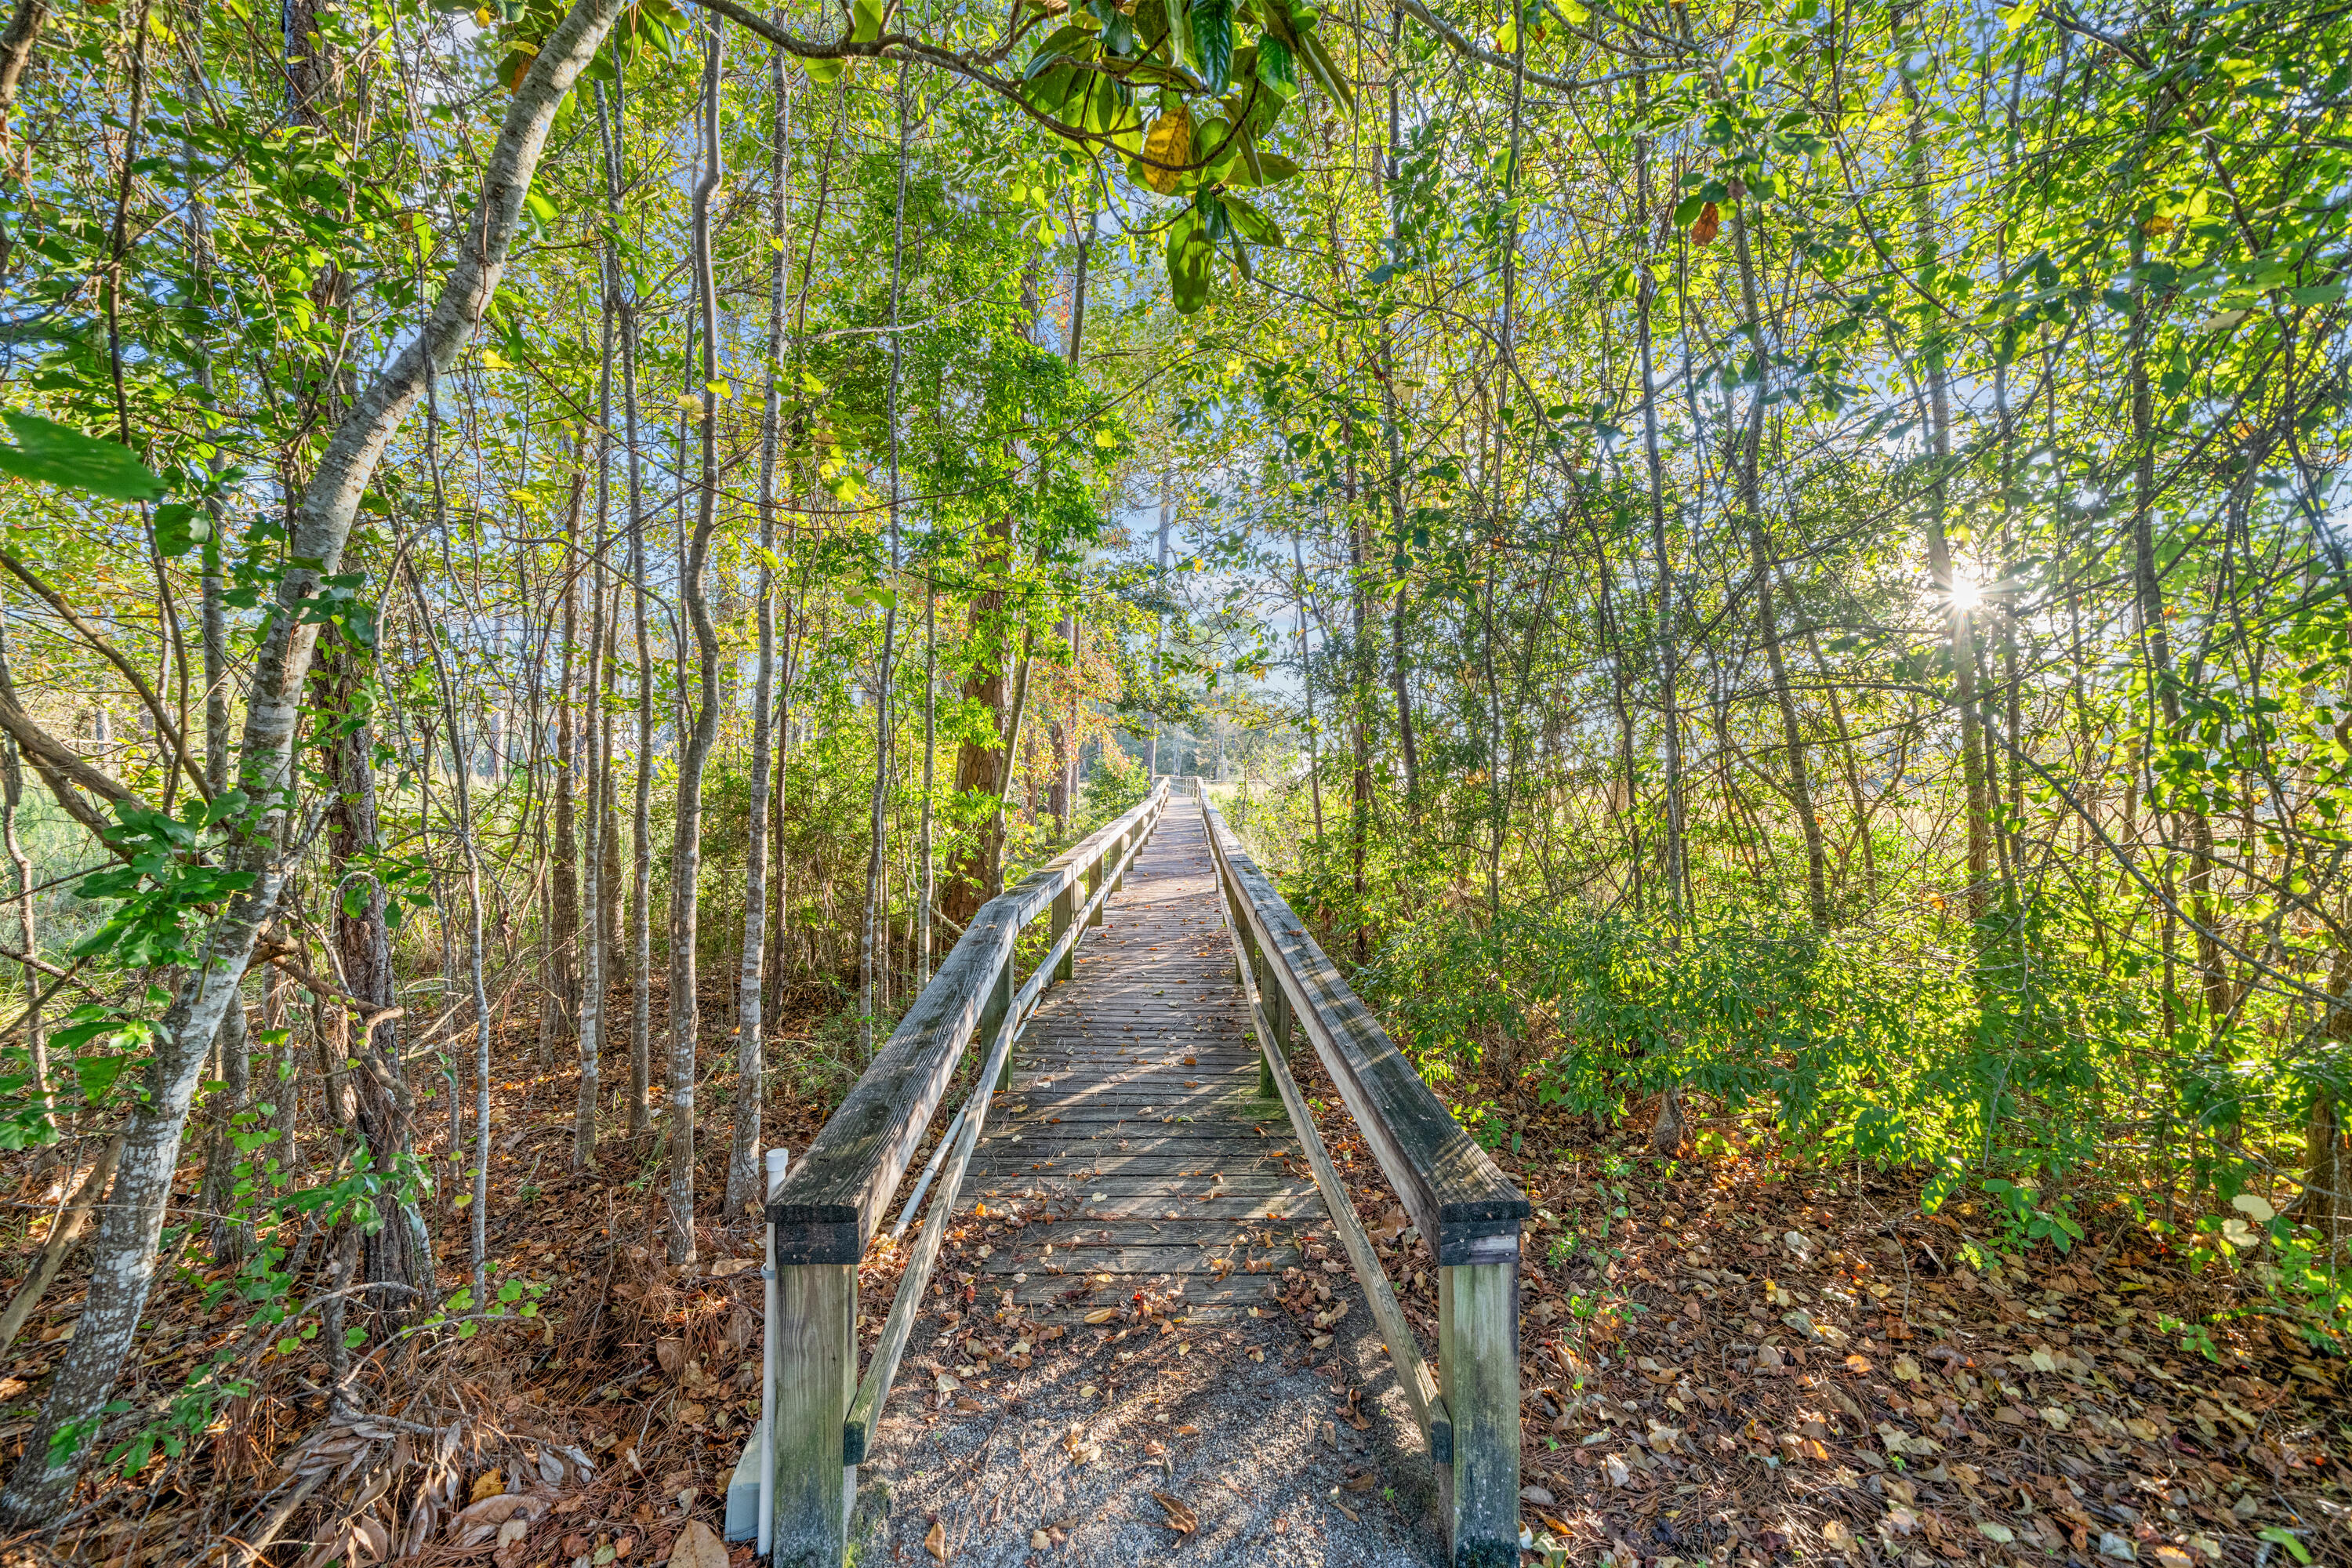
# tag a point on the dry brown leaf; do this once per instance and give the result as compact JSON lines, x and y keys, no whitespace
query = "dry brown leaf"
{"x":489,"y":1483}
{"x":1102,"y":1314}
{"x":1180,"y":1518}
{"x":699,"y":1546}
{"x":935,"y":1543}
{"x":669,"y":1355}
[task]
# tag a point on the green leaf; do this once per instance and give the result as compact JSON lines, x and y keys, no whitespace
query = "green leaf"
{"x":1276,"y":168}
{"x":2287,"y":1538}
{"x":1320,"y":66}
{"x":1060,"y":47}
{"x":1181,"y":46}
{"x":1213,"y":34}
{"x":179,"y":529}
{"x":97,"y":1075}
{"x":58,"y":455}
{"x":1277,"y":68}
{"x":1190,"y":251}
{"x":1248,"y":221}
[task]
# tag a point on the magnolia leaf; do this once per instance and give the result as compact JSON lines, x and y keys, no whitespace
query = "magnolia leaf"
{"x":61,"y":455}
{"x":1213,"y":35}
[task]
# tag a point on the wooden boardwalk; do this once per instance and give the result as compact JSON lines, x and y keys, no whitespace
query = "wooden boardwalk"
{"x":1133,"y":1119}
{"x":1094,"y":1341}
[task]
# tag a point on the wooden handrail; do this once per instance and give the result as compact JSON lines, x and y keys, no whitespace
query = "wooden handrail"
{"x":1464,"y":1206}
{"x":1466,"y":1209}
{"x":834,"y":1201}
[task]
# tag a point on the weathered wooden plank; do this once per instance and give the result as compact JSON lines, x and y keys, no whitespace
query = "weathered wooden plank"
{"x":814,"y":1341}
{"x":1140,"y":1255}
{"x":1141,"y":1220}
{"x":1466,"y":1207}
{"x":1479,"y":1493}
{"x":1048,"y":1297}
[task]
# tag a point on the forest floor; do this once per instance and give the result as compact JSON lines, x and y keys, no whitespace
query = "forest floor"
{"x":1733,"y":1360}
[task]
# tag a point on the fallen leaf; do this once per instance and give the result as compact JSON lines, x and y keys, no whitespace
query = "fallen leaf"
{"x":935,"y":1543}
{"x":1905,"y":1368}
{"x":697,"y":1547}
{"x":488,"y":1484}
{"x":1102,"y":1314}
{"x":1181,"y":1519}
{"x":2000,"y":1533}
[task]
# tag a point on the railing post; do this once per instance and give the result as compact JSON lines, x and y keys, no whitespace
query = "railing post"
{"x":1095,"y":881}
{"x":1066,"y":904}
{"x":815,"y":1339}
{"x":1478,"y":1371}
{"x":992,"y":1014}
{"x":1267,"y":1088}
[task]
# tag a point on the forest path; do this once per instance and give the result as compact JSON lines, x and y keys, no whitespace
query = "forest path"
{"x":1132,"y":1170}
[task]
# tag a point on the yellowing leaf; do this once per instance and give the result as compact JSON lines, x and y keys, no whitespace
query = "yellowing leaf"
{"x":1169,"y":142}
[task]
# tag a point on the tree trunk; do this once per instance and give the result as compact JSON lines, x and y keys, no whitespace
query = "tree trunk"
{"x":1674,"y":868}
{"x":16,"y":45}
{"x":745,"y":1183}
{"x":564,"y":896}
{"x":977,"y":866}
{"x":686,"y":848}
{"x":595,"y":891}
{"x":395,"y":1260}
{"x":1800,"y":782}
{"x":610,"y":120}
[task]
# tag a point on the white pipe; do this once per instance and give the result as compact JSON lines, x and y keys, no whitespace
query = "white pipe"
{"x":938,"y":1154}
{"x":777,"y":1161}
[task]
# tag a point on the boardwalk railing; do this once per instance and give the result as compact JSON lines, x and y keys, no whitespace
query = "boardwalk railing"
{"x":829,"y":1206}
{"x":1464,"y":1208}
